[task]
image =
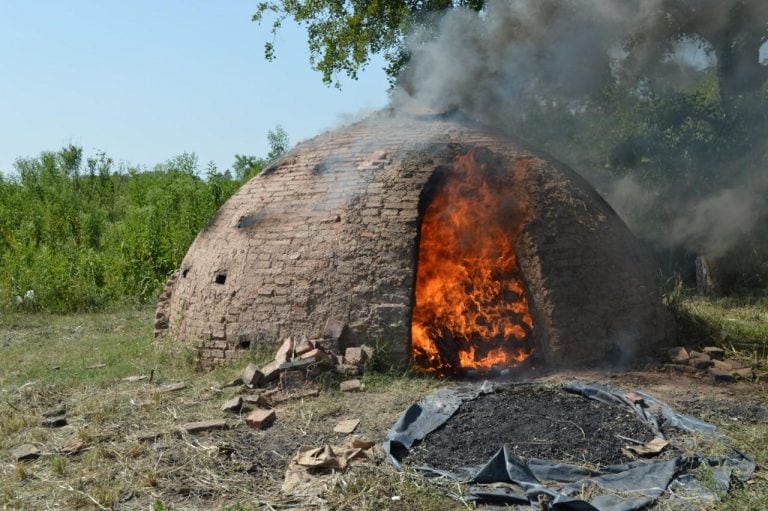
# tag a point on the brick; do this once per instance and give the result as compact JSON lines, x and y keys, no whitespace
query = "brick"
{"x":303,"y":347}
{"x":746,"y":373}
{"x":721,"y":375}
{"x":270,"y":372}
{"x":346,"y":426}
{"x":680,"y":368}
{"x":25,"y":452}
{"x":285,"y":351}
{"x":714,"y":352}
{"x":351,"y":386}
{"x":54,"y":422}
{"x":355,"y":356}
{"x":328,"y":345}
{"x":367,"y":350}
{"x":203,"y":426}
{"x":700,"y":362}
{"x":334,"y":329}
{"x":251,"y":375}
{"x":254,"y":400}
{"x":316,"y":354}
{"x":170,"y":387}
{"x":232,"y":405}
{"x":348,"y":369}
{"x":678,"y":355}
{"x":261,"y":419}
{"x":290,"y":380}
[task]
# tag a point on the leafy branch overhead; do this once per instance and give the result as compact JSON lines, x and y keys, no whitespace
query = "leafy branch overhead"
{"x":343,"y":35}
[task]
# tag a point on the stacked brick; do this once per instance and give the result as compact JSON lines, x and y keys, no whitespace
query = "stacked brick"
{"x":331,"y":231}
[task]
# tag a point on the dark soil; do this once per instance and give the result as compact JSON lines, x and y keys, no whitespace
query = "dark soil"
{"x":534,"y":422}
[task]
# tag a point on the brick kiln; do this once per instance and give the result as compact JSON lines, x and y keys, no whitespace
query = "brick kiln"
{"x":460,"y":248}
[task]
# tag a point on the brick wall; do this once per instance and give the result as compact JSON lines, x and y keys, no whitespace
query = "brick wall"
{"x":331,"y":231}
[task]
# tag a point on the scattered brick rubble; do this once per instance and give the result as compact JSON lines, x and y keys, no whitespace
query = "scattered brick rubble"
{"x":297,"y":364}
{"x":299,"y":360}
{"x":710,"y":361}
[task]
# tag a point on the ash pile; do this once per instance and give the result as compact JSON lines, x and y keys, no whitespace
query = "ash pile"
{"x":673,"y":459}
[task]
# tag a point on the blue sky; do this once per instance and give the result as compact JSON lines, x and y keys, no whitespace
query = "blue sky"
{"x":145,"y":80}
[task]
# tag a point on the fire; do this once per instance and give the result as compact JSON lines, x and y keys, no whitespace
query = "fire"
{"x":471,"y":310}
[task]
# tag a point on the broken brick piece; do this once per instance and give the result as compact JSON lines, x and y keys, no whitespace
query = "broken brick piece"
{"x":171,"y":387}
{"x":355,"y":356}
{"x":304,"y":347}
{"x":74,"y":446}
{"x":317,"y":354}
{"x":722,"y":375}
{"x":25,"y":452}
{"x":678,"y":355}
{"x":285,"y":351}
{"x":348,"y":370}
{"x":55,"y":422}
{"x":260,"y":419}
{"x":368,"y":351}
{"x":270,"y":372}
{"x":334,"y":329}
{"x":700,"y":362}
{"x":290,"y":380}
{"x":351,"y":386}
{"x":201,"y":426}
{"x":635,"y":399}
{"x":251,"y":375}
{"x":346,"y":426}
{"x":714,"y":352}
{"x":232,"y":405}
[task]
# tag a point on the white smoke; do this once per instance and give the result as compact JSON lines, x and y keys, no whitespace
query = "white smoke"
{"x":496,"y":64}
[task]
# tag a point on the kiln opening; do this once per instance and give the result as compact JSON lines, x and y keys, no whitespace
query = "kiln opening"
{"x":471,"y":309}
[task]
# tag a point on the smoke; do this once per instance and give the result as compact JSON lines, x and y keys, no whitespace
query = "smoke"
{"x":499,"y":65}
{"x":710,"y":225}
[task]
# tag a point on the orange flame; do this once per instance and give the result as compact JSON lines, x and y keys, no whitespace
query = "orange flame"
{"x":471,"y":310}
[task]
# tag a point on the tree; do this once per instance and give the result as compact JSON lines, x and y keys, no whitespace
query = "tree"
{"x":278,"y":142}
{"x":734,"y":30}
{"x":344,"y":34}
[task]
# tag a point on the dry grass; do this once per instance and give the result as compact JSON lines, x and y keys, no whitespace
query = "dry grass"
{"x":46,"y":362}
{"x":239,"y":468}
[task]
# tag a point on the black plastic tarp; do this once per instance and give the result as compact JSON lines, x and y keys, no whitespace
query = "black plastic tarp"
{"x":509,"y":479}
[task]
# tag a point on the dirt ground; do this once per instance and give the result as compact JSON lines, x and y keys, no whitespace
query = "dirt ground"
{"x":241,"y":468}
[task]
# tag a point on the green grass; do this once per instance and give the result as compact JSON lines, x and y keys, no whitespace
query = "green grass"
{"x":738,"y":324}
{"x":70,"y":349}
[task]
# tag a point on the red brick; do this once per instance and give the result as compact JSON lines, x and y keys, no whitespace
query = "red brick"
{"x":261,"y":419}
{"x":285,"y":352}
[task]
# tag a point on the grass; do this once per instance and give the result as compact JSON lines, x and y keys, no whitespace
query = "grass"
{"x":738,"y":324}
{"x":51,"y":361}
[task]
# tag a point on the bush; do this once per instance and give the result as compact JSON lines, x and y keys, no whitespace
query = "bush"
{"x":76,"y":237}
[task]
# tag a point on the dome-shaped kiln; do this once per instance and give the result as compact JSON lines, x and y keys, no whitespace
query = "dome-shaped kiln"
{"x":457,"y":247}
